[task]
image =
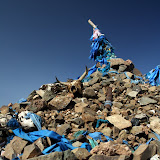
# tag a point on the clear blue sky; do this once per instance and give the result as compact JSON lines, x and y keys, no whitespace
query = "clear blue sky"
{"x":41,"y":39}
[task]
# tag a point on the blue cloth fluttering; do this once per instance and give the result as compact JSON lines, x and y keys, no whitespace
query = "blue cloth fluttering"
{"x":22,"y":100}
{"x":35,"y":119}
{"x":13,"y":123}
{"x":153,"y":76}
{"x":97,"y":136}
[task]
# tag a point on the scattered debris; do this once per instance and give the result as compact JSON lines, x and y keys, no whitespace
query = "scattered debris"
{"x":110,"y":112}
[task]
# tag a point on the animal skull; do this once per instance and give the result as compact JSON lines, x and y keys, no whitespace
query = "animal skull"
{"x":25,"y":122}
{"x":4,"y":118}
{"x":76,"y":85}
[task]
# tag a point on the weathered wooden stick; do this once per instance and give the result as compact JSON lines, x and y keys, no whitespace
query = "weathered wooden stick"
{"x":108,"y":102}
{"x":92,"y":24}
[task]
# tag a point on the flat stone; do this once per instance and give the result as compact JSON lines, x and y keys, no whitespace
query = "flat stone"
{"x":144,"y":151}
{"x":119,"y":122}
{"x":152,"y":89}
{"x":77,"y":121}
{"x":31,"y":151}
{"x":89,"y":93}
{"x":107,"y":82}
{"x":77,"y":144}
{"x":129,"y":74}
{"x":136,"y":130}
{"x":107,"y":131}
{"x":123,"y":134}
{"x":79,"y":107}
{"x":137,"y":72}
{"x":60,"y":102}
{"x":132,"y":94}
{"x":40,"y":92}
{"x":66,"y":155}
{"x":97,"y":86}
{"x":122,"y":68}
{"x":88,"y":115}
{"x":39,"y":143}
{"x":63,"y":129}
{"x":140,"y":116}
{"x":48,"y":95}
{"x":111,"y":149}
{"x":9,"y":152}
{"x":37,"y":105}
{"x":146,"y":100}
{"x":81,"y":153}
{"x":136,"y":88}
{"x":117,"y":61}
{"x":32,"y":94}
{"x":155,"y":124}
{"x":117,"y":104}
{"x":103,"y":157}
{"x":16,"y":106}
{"x":4,"y":109}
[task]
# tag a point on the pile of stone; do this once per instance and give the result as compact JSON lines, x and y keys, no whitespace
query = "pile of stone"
{"x":132,"y":117}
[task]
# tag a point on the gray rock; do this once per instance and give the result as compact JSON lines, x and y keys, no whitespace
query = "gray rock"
{"x":81,"y":153}
{"x":93,"y":80}
{"x":48,"y":95}
{"x":107,"y":82}
{"x":63,"y":129}
{"x":66,"y":155}
{"x":97,"y":86}
{"x":89,"y":93}
{"x":132,"y":94}
{"x":122,"y":68}
{"x":60,"y":102}
{"x":77,"y":144}
{"x":140,"y":116}
{"x":103,"y":157}
{"x":136,"y":130}
{"x":78,"y":121}
{"x":119,"y":122}
{"x":136,"y":88}
{"x":117,"y":104}
{"x":146,"y":100}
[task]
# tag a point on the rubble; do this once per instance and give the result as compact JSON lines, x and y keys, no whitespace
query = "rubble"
{"x":110,"y":112}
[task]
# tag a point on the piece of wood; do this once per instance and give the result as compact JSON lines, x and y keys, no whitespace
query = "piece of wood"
{"x":92,"y":24}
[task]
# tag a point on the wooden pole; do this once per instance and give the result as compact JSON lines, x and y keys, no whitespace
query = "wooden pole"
{"x":92,"y":24}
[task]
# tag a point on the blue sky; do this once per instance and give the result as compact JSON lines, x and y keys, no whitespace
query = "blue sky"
{"x":41,"y":39}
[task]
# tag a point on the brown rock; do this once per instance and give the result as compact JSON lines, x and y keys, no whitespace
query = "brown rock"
{"x":9,"y":152}
{"x":4,"y":109}
{"x":79,"y":107}
{"x":103,"y":157}
{"x":107,"y":131}
{"x":88,"y":115}
{"x":60,"y":102}
{"x":16,"y":106}
{"x":66,"y":155}
{"x":17,"y":144}
{"x":31,"y":151}
{"x":155,"y":124}
{"x":37,"y":105}
{"x":81,"y":153}
{"x":89,"y":93}
{"x":144,"y":151}
{"x":117,"y":61}
{"x":39,"y":143}
{"x":63,"y":129}
{"x":110,"y":149}
{"x":119,"y":122}
{"x":136,"y":130}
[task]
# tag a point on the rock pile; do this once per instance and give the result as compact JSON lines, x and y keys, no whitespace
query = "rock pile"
{"x":118,"y":112}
